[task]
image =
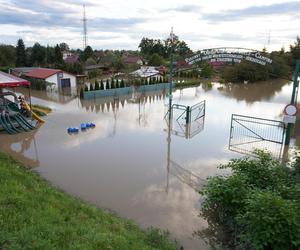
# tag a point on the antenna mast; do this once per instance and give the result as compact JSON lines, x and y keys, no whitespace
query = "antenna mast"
{"x":84,"y":20}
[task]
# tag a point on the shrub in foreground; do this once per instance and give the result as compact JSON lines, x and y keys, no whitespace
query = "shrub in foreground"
{"x":256,"y":206}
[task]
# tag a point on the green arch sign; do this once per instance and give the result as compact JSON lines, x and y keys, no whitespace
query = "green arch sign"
{"x":229,"y":55}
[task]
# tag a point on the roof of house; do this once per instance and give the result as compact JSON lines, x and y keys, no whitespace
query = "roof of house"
{"x":146,"y":71}
{"x":72,"y":59}
{"x":132,"y":59}
{"x":182,"y":64}
{"x":22,"y":70}
{"x":10,"y":81}
{"x":42,"y":73}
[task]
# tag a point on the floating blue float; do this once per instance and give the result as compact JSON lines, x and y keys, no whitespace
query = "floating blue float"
{"x":72,"y":130}
{"x":83,"y":126}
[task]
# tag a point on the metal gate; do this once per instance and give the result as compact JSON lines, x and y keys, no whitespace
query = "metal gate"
{"x":248,"y":133}
{"x":187,"y":121}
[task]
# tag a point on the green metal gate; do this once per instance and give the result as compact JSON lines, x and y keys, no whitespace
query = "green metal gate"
{"x":248,"y":133}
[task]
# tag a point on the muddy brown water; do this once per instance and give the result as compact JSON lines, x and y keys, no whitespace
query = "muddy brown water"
{"x":122,"y":164}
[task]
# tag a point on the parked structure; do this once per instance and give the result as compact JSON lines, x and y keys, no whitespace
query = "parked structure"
{"x":147,"y":72}
{"x":58,"y":78}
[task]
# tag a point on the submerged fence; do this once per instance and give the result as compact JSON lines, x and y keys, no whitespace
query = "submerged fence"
{"x":248,"y":133}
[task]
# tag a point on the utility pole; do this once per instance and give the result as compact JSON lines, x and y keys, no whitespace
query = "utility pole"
{"x":293,"y":100}
{"x":171,"y":75}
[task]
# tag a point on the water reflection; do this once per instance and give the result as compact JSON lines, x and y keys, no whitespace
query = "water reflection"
{"x":253,"y":92}
{"x":122,"y":165}
{"x":19,"y":147}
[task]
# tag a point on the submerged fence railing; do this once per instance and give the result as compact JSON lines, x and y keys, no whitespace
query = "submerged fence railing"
{"x":248,"y":133}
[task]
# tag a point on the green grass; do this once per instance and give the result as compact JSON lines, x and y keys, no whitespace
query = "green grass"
{"x":36,"y":215}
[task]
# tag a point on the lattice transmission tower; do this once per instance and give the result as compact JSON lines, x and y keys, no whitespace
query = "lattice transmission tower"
{"x":84,"y":22}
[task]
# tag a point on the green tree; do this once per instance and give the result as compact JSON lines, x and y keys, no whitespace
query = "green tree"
{"x":90,"y":61}
{"x":91,"y":87}
{"x":206,"y":70}
{"x":295,"y":49}
{"x":156,"y":60}
{"x":101,"y":85}
{"x":118,"y":64}
{"x":7,"y":55}
{"x":50,"y":55}
{"x":38,"y":55}
{"x":58,"y":57}
{"x":122,"y":84}
{"x":97,"y":87}
{"x":87,"y":53}
{"x":20,"y":54}
{"x":64,"y":47}
{"x":107,"y":84}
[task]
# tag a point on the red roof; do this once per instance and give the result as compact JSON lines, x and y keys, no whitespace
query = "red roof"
{"x":182,"y":64}
{"x":72,"y":59}
{"x":132,"y":59}
{"x":10,"y":81}
{"x":42,"y":73}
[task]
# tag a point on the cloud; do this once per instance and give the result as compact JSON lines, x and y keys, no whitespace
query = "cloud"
{"x":30,"y":13}
{"x":253,"y":11}
{"x":183,"y":8}
{"x":109,"y":24}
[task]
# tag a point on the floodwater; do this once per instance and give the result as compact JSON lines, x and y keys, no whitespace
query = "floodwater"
{"x":130,"y":164}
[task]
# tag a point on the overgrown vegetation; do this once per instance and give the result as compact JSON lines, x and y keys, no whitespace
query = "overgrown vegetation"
{"x":281,"y":67}
{"x":35,"y":215}
{"x":256,"y":207}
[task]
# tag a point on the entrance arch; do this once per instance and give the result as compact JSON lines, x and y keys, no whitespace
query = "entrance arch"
{"x":229,"y":55}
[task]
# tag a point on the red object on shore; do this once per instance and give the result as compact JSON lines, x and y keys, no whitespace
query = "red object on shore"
{"x":11,"y":81}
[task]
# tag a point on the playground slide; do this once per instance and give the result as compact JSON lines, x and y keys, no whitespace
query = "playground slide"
{"x":35,"y":116}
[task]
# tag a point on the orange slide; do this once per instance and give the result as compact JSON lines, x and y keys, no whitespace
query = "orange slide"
{"x":35,"y":116}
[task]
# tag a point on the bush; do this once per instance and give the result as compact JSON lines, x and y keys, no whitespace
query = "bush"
{"x":86,"y":88}
{"x":257,"y":205}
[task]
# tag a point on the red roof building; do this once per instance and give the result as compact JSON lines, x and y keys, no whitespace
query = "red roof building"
{"x":133,"y":60}
{"x":182,"y":64}
{"x":72,"y":59}
{"x":42,"y":73}
{"x":10,"y":81}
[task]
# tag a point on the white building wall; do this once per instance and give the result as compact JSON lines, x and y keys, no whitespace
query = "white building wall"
{"x":72,"y":79}
{"x":54,"y":79}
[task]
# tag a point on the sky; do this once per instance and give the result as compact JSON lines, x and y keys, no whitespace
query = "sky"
{"x":121,"y":24}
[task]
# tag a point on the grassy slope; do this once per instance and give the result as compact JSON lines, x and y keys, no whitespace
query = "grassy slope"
{"x":35,"y":215}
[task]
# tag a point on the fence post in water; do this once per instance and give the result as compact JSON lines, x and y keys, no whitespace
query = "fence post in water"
{"x":188,"y":114}
{"x":293,"y":101}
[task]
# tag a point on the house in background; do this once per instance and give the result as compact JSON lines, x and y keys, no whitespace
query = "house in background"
{"x":131,"y":60}
{"x":147,"y":72}
{"x":66,"y":54}
{"x":59,"y":79}
{"x":71,"y":59}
